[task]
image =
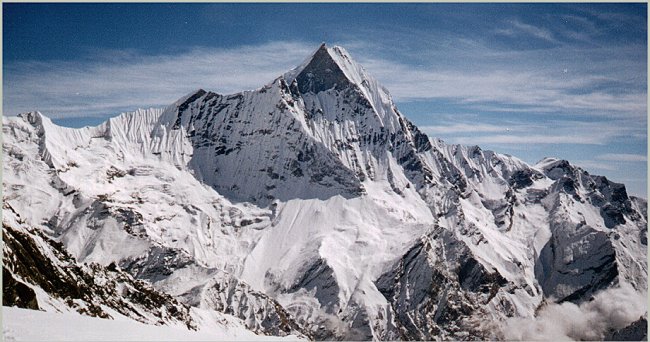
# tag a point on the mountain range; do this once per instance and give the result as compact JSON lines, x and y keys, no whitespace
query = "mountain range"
{"x":310,"y":208}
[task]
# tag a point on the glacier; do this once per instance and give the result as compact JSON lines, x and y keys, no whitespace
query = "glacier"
{"x":312,"y":207}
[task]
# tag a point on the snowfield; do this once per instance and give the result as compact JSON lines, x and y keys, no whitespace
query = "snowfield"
{"x":33,"y":325}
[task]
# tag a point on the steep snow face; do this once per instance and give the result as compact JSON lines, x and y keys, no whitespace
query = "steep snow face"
{"x":333,"y":67}
{"x":312,"y":204}
{"x":350,"y":113}
{"x":231,"y":134}
{"x":322,"y":130}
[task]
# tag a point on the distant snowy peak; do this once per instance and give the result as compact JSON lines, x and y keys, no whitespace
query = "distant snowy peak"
{"x":329,"y":83}
{"x":326,"y":124}
{"x":332,"y":68}
{"x":334,"y":60}
{"x":327,"y":68}
{"x":321,"y":73}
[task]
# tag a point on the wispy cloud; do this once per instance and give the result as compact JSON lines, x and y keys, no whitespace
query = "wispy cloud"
{"x":506,"y":81}
{"x":583,"y":23}
{"x":516,"y":27}
{"x":551,"y":139}
{"x":579,"y":28}
{"x":546,"y":91}
{"x":125,"y":81}
{"x":620,"y":19}
{"x":623,"y":157}
{"x":564,"y":77}
{"x":469,"y":130}
{"x":595,"y":165}
{"x":462,"y":128}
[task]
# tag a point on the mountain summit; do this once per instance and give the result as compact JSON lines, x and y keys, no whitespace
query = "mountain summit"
{"x":321,"y":73}
{"x":312,"y":206}
{"x":328,"y":68}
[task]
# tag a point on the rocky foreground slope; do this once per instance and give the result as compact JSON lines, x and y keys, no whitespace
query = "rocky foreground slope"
{"x":313,"y":206}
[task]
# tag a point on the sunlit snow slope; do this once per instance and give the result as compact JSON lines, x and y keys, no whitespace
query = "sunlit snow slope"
{"x":31,"y":325}
{"x":313,"y":206}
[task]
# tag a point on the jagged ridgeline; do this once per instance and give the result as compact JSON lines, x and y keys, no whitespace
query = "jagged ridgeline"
{"x":310,"y":206}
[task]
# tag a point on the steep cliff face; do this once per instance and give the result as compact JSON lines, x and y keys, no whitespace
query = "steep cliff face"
{"x":313,"y":206}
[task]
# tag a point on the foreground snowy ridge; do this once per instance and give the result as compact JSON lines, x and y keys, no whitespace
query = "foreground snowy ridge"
{"x":33,"y":325}
{"x":312,"y":207}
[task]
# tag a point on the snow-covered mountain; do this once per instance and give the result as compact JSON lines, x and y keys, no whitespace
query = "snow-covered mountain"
{"x":313,"y":207}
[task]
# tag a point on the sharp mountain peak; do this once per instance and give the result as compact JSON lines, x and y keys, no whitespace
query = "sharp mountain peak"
{"x":327,"y":68}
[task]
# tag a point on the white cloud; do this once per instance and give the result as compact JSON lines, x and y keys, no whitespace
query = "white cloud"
{"x":124,"y":80}
{"x":532,"y":30}
{"x":623,"y":157}
{"x":510,"y":89}
{"x":517,"y":28}
{"x":462,"y":127}
{"x":614,"y":308}
{"x":470,"y":131}
{"x":590,"y":164}
{"x":537,"y":139}
{"x":127,"y":81}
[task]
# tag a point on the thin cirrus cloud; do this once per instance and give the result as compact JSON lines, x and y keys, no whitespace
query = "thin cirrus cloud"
{"x":623,"y":157}
{"x":466,"y":130}
{"x":119,"y":81}
{"x":126,"y":82}
{"x":553,"y":139}
{"x":462,"y":128}
{"x":548,"y":92}
{"x":596,"y":165}
{"x":518,"y":28}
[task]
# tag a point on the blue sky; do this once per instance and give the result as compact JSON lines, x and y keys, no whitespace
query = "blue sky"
{"x":531,"y":80}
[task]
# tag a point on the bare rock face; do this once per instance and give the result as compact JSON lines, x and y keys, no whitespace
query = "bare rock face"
{"x":260,"y":313}
{"x":636,"y":331}
{"x":321,"y":74}
{"x":437,"y":290}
